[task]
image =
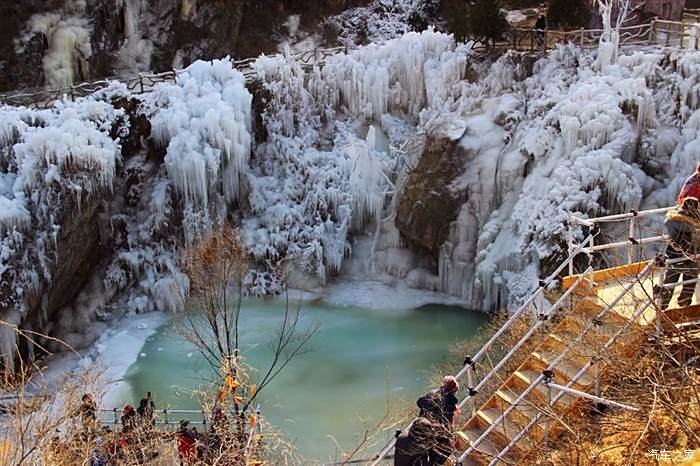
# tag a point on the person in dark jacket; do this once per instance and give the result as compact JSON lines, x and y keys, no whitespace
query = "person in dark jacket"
{"x":428,"y":441}
{"x":683,"y":226}
{"x":441,"y":405}
{"x":129,"y":419}
{"x":541,"y":27}
{"x":146,"y":410}
{"x":691,"y":187}
{"x":88,"y":412}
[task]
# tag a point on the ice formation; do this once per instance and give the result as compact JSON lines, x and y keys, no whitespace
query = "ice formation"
{"x":204,"y":122}
{"x":68,"y":36}
{"x":315,"y":177}
{"x":136,"y":50}
{"x":329,"y":137}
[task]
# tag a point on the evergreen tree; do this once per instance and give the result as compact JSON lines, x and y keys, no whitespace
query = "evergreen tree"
{"x":568,"y":14}
{"x":455,"y":13}
{"x":487,"y":21}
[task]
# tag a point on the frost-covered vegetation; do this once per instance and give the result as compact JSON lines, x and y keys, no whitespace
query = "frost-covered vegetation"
{"x":314,"y":175}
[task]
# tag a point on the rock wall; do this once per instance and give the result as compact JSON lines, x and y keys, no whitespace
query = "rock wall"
{"x":428,"y":205}
{"x":58,"y":42}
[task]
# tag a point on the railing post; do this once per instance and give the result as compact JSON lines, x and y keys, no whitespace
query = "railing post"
{"x":652,"y":31}
{"x":630,"y":252}
{"x":597,"y":323}
{"x":116,"y":417}
{"x":581,"y":37}
{"x":165,"y":417}
{"x":141,"y":83}
{"x":469,"y":363}
{"x":548,"y":378}
{"x":660,"y":261}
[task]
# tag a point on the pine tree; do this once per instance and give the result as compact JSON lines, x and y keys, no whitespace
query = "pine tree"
{"x":568,"y":14}
{"x":487,"y":21}
{"x":455,"y":13}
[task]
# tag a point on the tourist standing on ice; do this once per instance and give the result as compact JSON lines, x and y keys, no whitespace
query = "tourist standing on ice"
{"x":683,"y":226}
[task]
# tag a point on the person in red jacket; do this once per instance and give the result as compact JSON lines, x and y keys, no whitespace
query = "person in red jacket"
{"x":187,"y":443}
{"x":691,"y":187}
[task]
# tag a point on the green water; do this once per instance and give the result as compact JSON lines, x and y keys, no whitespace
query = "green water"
{"x":337,"y":388}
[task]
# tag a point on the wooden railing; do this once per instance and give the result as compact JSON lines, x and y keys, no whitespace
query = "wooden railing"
{"x":144,"y":82}
{"x":657,"y":32}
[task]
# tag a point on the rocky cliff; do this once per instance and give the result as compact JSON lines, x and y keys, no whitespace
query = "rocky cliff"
{"x":60,"y":42}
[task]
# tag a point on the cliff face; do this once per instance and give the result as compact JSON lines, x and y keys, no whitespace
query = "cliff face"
{"x":59,"y":42}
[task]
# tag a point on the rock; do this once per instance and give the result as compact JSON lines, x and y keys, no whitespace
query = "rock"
{"x":427,"y":205}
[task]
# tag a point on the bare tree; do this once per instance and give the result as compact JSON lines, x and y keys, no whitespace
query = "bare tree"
{"x":615,"y":14}
{"x":216,"y":267}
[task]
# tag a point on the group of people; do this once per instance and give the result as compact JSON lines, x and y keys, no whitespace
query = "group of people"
{"x":137,"y":434}
{"x":104,"y":445}
{"x":430,"y":439}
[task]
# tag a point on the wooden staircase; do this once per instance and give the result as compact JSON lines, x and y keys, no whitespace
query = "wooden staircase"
{"x":589,"y":303}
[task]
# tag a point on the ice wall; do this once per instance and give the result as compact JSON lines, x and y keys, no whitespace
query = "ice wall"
{"x":327,"y":167}
{"x":67,"y":33}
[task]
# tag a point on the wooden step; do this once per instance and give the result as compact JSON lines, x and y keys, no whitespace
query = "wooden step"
{"x":526,"y":410}
{"x":527,"y":376}
{"x":509,"y":428}
{"x":487,"y":449}
{"x":567,"y":368}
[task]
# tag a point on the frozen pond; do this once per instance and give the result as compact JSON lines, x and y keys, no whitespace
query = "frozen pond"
{"x":333,"y":389}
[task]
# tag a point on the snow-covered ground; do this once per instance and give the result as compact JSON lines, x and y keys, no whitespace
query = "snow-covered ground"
{"x":110,"y":356}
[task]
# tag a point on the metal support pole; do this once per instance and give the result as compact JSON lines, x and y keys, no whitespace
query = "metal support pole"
{"x":165,"y":416}
{"x":469,"y":363}
{"x":597,"y":323}
{"x":588,"y":396}
{"x":548,"y":377}
{"x":630,"y":252}
{"x":116,"y":416}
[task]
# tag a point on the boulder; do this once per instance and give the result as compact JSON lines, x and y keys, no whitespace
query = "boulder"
{"x":427,"y":204}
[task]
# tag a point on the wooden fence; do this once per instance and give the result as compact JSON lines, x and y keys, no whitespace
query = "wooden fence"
{"x":144,"y":82}
{"x":657,"y":32}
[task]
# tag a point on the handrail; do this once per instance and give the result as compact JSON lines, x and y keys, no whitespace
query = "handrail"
{"x":556,"y":361}
{"x":37,"y":95}
{"x":619,"y":217}
{"x":526,"y":337}
{"x":574,"y":379}
{"x":468,"y":367}
{"x":630,"y":242}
